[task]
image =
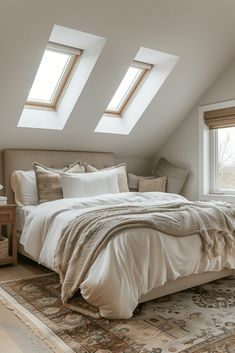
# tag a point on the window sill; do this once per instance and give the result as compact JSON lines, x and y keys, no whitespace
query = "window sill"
{"x":217,"y":197}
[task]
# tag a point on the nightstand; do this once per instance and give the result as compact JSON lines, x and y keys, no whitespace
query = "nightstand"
{"x":8,"y":230}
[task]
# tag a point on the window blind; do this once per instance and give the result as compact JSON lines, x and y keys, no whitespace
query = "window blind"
{"x":220,"y":118}
{"x":141,"y":65}
{"x":63,"y":48}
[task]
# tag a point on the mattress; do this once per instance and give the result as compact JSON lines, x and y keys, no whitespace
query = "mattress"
{"x":21,"y":214}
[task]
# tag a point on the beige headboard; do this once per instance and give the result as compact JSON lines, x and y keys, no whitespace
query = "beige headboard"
{"x":15,"y":159}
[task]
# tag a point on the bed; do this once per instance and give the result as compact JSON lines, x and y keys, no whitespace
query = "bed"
{"x":156,"y":284}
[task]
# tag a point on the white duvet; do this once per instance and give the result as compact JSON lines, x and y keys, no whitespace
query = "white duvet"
{"x":134,"y":262}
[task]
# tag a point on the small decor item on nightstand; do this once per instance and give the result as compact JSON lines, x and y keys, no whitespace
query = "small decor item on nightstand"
{"x":3,"y":200}
{"x":3,"y":247}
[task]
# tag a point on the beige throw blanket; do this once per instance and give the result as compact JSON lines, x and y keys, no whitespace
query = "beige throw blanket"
{"x":89,"y":233}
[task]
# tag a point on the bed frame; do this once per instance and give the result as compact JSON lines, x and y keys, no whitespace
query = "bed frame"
{"x":22,"y":159}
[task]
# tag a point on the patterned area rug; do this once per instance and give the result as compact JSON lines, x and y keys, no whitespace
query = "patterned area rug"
{"x":198,"y":320}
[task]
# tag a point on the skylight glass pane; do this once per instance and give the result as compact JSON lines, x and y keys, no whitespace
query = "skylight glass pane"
{"x":125,"y":88}
{"x":48,"y":76}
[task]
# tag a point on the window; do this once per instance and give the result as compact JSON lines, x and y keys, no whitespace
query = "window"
{"x":221,"y":123}
{"x":225,"y":163}
{"x":53,"y":75}
{"x":132,"y":80}
{"x":137,"y":95}
{"x":85,"y":49}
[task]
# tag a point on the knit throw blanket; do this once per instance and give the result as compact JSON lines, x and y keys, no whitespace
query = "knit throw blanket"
{"x":85,"y":237}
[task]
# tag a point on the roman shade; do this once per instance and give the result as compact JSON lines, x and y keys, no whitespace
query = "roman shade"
{"x":220,"y":118}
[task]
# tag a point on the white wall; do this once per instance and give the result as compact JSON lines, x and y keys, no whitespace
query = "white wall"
{"x":162,"y":25}
{"x":1,"y":170}
{"x":139,"y":166}
{"x":182,"y":148}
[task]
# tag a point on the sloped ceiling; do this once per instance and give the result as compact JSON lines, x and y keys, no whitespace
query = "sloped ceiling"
{"x":200,"y":32}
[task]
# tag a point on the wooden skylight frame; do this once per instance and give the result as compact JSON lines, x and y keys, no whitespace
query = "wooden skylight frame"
{"x":131,"y":92}
{"x":74,"y":55}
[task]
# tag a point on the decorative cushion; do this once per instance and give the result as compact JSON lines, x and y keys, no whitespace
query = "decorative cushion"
{"x":49,"y":180}
{"x":133,"y":181}
{"x":24,"y":185}
{"x":89,"y":184}
{"x":121,"y":174}
{"x":75,"y":167}
{"x":176,"y":176}
{"x":157,"y":184}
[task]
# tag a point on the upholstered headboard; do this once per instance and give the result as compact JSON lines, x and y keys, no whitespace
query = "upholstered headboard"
{"x":15,"y":159}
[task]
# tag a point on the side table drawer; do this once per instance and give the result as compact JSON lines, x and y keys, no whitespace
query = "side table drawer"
{"x":6,"y":216}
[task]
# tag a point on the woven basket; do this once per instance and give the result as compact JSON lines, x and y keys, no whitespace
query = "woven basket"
{"x":3,"y":247}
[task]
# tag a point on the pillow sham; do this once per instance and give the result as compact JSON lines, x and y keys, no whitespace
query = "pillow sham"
{"x":157,"y":184}
{"x":75,"y":167}
{"x":89,"y":184}
{"x":121,"y":174}
{"x":24,"y":186}
{"x":176,"y":176}
{"x":48,"y":180}
{"x":133,"y":181}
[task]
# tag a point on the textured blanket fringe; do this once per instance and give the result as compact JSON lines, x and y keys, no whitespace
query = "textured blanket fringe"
{"x":82,"y":311}
{"x":33,"y":326}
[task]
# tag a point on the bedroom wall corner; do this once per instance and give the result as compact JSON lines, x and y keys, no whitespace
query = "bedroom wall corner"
{"x":182,"y":148}
{"x":138,"y":166}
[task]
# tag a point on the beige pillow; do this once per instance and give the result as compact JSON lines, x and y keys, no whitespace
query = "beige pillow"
{"x":176,"y":176}
{"x":150,"y":185}
{"x":49,"y":180}
{"x":133,"y":181}
{"x":121,"y":174}
{"x":76,"y":167}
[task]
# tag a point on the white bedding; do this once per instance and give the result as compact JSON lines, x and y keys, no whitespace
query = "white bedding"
{"x":132,"y":264}
{"x":21,"y":215}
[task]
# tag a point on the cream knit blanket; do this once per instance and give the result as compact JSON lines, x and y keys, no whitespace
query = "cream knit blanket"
{"x":88,"y":234}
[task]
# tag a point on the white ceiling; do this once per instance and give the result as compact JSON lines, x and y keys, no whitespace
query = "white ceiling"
{"x":200,"y":32}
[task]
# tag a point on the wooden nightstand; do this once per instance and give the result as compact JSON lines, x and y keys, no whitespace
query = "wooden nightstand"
{"x":8,"y":229}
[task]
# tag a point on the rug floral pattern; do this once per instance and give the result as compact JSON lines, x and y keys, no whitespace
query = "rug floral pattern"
{"x":198,"y":320}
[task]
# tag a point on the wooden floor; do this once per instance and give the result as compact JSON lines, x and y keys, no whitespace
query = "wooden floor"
{"x":15,"y":336}
{"x":24,"y":268}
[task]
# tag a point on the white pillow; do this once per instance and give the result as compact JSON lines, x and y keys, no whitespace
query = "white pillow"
{"x":24,"y":185}
{"x":121,"y":174}
{"x":89,"y":184}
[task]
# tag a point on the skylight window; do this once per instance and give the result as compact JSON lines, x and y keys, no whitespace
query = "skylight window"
{"x":54,"y":72}
{"x":132,"y":80}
